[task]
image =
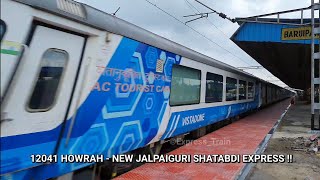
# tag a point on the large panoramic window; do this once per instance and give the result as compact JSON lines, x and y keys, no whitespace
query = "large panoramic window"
{"x":214,"y":88}
{"x":231,"y":89}
{"x":185,"y":86}
{"x":250,"y":90}
{"x":242,"y":90}
{"x":46,"y":86}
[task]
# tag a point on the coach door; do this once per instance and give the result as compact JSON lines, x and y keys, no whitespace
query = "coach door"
{"x":37,"y":101}
{"x":264,"y":93}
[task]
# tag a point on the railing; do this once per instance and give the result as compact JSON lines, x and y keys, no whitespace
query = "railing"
{"x":301,"y":10}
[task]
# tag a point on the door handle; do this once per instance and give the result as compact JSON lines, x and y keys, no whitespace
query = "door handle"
{"x":4,"y":117}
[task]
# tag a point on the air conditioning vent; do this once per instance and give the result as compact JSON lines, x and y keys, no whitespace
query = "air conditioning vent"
{"x":71,"y":7}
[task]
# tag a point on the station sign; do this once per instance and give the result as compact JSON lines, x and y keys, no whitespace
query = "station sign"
{"x":301,"y":33}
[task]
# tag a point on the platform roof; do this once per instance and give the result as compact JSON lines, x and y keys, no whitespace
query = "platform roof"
{"x":284,"y":49}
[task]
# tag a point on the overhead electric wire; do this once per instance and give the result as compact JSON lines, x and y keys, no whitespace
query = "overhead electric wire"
{"x":196,"y":31}
{"x":193,"y":7}
{"x":222,"y":15}
{"x":159,"y":8}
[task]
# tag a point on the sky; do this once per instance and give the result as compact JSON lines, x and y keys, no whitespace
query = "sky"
{"x":217,"y":31}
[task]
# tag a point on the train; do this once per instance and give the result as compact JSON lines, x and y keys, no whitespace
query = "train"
{"x":76,"y":80}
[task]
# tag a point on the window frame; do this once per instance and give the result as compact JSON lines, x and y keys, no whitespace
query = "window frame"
{"x":34,"y":83}
{"x":253,"y":90}
{"x":245,"y":88}
{"x":236,"y":88}
{"x":206,"y":85}
{"x":200,"y":78}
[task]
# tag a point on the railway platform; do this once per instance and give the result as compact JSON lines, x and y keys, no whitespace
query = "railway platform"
{"x":293,"y":136}
{"x":245,"y":136}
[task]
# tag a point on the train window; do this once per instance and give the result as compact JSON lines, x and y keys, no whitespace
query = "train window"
{"x":316,"y":69}
{"x":316,"y":93}
{"x":214,"y":88}
{"x":3,"y":28}
{"x":250,"y":90}
{"x":185,"y":86}
{"x":45,"y":90}
{"x":231,"y":89}
{"x":242,"y":90}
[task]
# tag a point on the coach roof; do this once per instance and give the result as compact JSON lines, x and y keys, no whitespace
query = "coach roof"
{"x":104,"y":21}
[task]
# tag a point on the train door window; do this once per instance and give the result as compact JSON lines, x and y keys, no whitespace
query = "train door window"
{"x":250,"y":90}
{"x":46,"y":86}
{"x":185,"y":86}
{"x":231,"y":89}
{"x":3,"y":28}
{"x":242,"y":90}
{"x":214,"y":88}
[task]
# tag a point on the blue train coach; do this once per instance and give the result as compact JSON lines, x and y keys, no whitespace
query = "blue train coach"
{"x":78,"y":81}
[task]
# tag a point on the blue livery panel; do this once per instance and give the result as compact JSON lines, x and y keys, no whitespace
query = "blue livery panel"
{"x":122,"y":112}
{"x":186,"y":121}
